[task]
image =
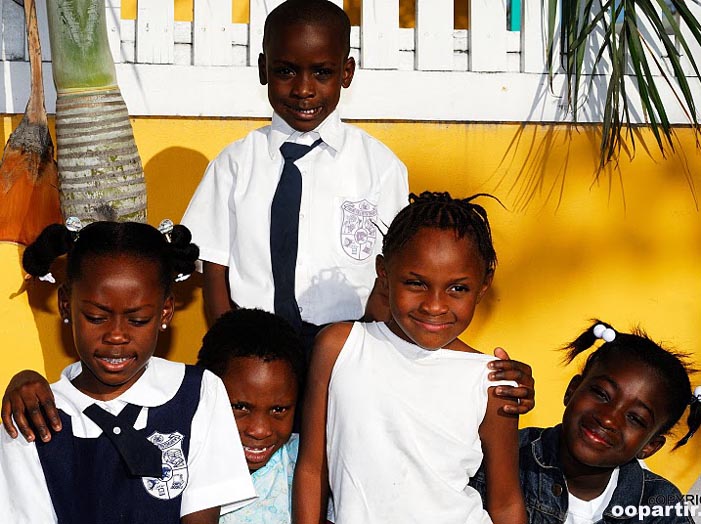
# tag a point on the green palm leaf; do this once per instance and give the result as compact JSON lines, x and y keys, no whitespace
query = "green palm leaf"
{"x":626,"y":45}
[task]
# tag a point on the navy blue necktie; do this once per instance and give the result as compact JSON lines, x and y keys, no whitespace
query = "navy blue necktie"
{"x":284,"y":232}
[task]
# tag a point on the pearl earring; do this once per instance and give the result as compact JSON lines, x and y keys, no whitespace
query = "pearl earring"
{"x":164,"y":326}
{"x":66,"y":320}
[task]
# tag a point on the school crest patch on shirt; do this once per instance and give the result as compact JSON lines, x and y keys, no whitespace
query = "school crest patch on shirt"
{"x":174,"y":477}
{"x":358,"y":229}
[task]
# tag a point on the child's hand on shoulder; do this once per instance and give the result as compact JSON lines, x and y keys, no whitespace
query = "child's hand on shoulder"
{"x":28,"y":395}
{"x":507,"y":369}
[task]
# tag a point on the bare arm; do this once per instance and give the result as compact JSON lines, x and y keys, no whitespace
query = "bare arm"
{"x":215,"y":291}
{"x":310,"y":491}
{"x":524,"y":394}
{"x":499,"y":435}
{"x":205,"y":516}
{"x":28,"y":395}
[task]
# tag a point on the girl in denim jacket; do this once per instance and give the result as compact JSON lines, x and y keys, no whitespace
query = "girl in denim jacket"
{"x":618,"y":410}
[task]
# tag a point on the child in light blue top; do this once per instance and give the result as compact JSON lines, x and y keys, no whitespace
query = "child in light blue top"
{"x":261,"y":362}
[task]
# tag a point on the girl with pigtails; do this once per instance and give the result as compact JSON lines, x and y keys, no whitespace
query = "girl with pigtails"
{"x":620,"y":409}
{"x":143,"y":439}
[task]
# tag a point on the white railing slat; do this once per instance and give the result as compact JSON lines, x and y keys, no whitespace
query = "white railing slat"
{"x":694,"y":46}
{"x":43,"y":25}
{"x":533,"y":37}
{"x":113,"y":18}
{"x":379,"y":34}
{"x":487,"y":35}
{"x":12,"y":31}
{"x":211,"y":32}
{"x":259,"y":10}
{"x":154,"y":31}
{"x":434,"y":35}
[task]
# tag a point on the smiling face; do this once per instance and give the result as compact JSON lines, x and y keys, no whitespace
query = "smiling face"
{"x":305,"y":66}
{"x":613,"y":414}
{"x":116,"y":308}
{"x":435,"y":282}
{"x":263,"y":396}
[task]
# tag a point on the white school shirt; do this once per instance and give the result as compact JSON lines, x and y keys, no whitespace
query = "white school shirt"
{"x":402,"y":431}
{"x":351,"y":183}
{"x":217,"y":470}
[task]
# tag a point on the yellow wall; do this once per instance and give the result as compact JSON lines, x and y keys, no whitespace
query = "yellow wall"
{"x":625,"y":248}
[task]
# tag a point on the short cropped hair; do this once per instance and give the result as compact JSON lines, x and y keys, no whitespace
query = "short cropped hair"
{"x":315,"y":12}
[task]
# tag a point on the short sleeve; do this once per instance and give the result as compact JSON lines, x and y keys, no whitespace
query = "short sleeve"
{"x":24,"y":495}
{"x":207,"y":215}
{"x":218,"y":474}
{"x":394,"y":191}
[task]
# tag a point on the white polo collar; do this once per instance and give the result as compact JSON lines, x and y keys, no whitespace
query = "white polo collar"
{"x":330,"y":131}
{"x":159,"y":383}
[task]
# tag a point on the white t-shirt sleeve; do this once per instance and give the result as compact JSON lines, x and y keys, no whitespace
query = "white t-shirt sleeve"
{"x":24,"y":495}
{"x":208,"y":215}
{"x":217,"y":470}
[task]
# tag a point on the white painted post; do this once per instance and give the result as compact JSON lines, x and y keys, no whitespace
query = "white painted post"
{"x":154,"y":31}
{"x":533,"y":36}
{"x":434,"y":35}
{"x":211,"y":33}
{"x":259,"y":10}
{"x":379,"y":34}
{"x":12,"y":31}
{"x":694,"y":46}
{"x":487,"y":35}
{"x":43,"y":24}
{"x":113,"y":18}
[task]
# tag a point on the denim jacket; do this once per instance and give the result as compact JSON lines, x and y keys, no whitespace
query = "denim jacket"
{"x":638,"y":491}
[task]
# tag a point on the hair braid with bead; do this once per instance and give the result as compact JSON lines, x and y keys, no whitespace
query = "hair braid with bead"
{"x":141,"y":241}
{"x":441,"y":211}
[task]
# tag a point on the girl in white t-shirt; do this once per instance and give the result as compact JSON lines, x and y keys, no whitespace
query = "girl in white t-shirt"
{"x":398,"y":415}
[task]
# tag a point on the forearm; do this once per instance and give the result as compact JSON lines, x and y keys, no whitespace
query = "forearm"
{"x":310,"y":495}
{"x":215,"y":291}
{"x":205,"y":516}
{"x":512,"y":511}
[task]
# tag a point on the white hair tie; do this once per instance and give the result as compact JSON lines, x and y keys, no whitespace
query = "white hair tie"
{"x":603,"y":332}
{"x":47,"y":278}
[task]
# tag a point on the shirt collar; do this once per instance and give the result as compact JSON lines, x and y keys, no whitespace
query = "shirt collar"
{"x":330,"y":131}
{"x":159,"y":383}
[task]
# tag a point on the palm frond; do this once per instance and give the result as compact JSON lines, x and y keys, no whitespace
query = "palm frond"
{"x":642,"y":44}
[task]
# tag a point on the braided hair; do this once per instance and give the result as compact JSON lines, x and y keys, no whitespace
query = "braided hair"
{"x":142,"y":241}
{"x":670,"y":366}
{"x":251,"y":333}
{"x":441,"y":211}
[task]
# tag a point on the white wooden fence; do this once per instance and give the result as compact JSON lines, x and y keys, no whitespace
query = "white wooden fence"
{"x":433,"y":72}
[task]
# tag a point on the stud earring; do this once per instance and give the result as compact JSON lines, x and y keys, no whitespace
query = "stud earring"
{"x":164,"y":326}
{"x":66,"y":320}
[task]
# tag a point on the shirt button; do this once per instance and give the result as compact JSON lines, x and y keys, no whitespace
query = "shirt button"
{"x":116,"y":430}
{"x":557,"y":490}
{"x":301,"y":215}
{"x":301,"y":309}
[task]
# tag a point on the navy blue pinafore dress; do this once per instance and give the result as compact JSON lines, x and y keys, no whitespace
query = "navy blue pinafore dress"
{"x":90,"y":483}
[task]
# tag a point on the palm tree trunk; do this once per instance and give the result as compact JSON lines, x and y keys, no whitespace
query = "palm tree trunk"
{"x":100,"y":171}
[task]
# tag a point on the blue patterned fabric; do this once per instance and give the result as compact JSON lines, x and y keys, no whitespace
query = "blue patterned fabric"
{"x":273,"y":484}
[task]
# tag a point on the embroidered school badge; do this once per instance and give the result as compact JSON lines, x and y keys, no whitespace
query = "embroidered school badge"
{"x":174,"y":477}
{"x":358,"y":230}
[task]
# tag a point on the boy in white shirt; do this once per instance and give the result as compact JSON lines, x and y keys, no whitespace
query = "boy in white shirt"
{"x":350,"y":184}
